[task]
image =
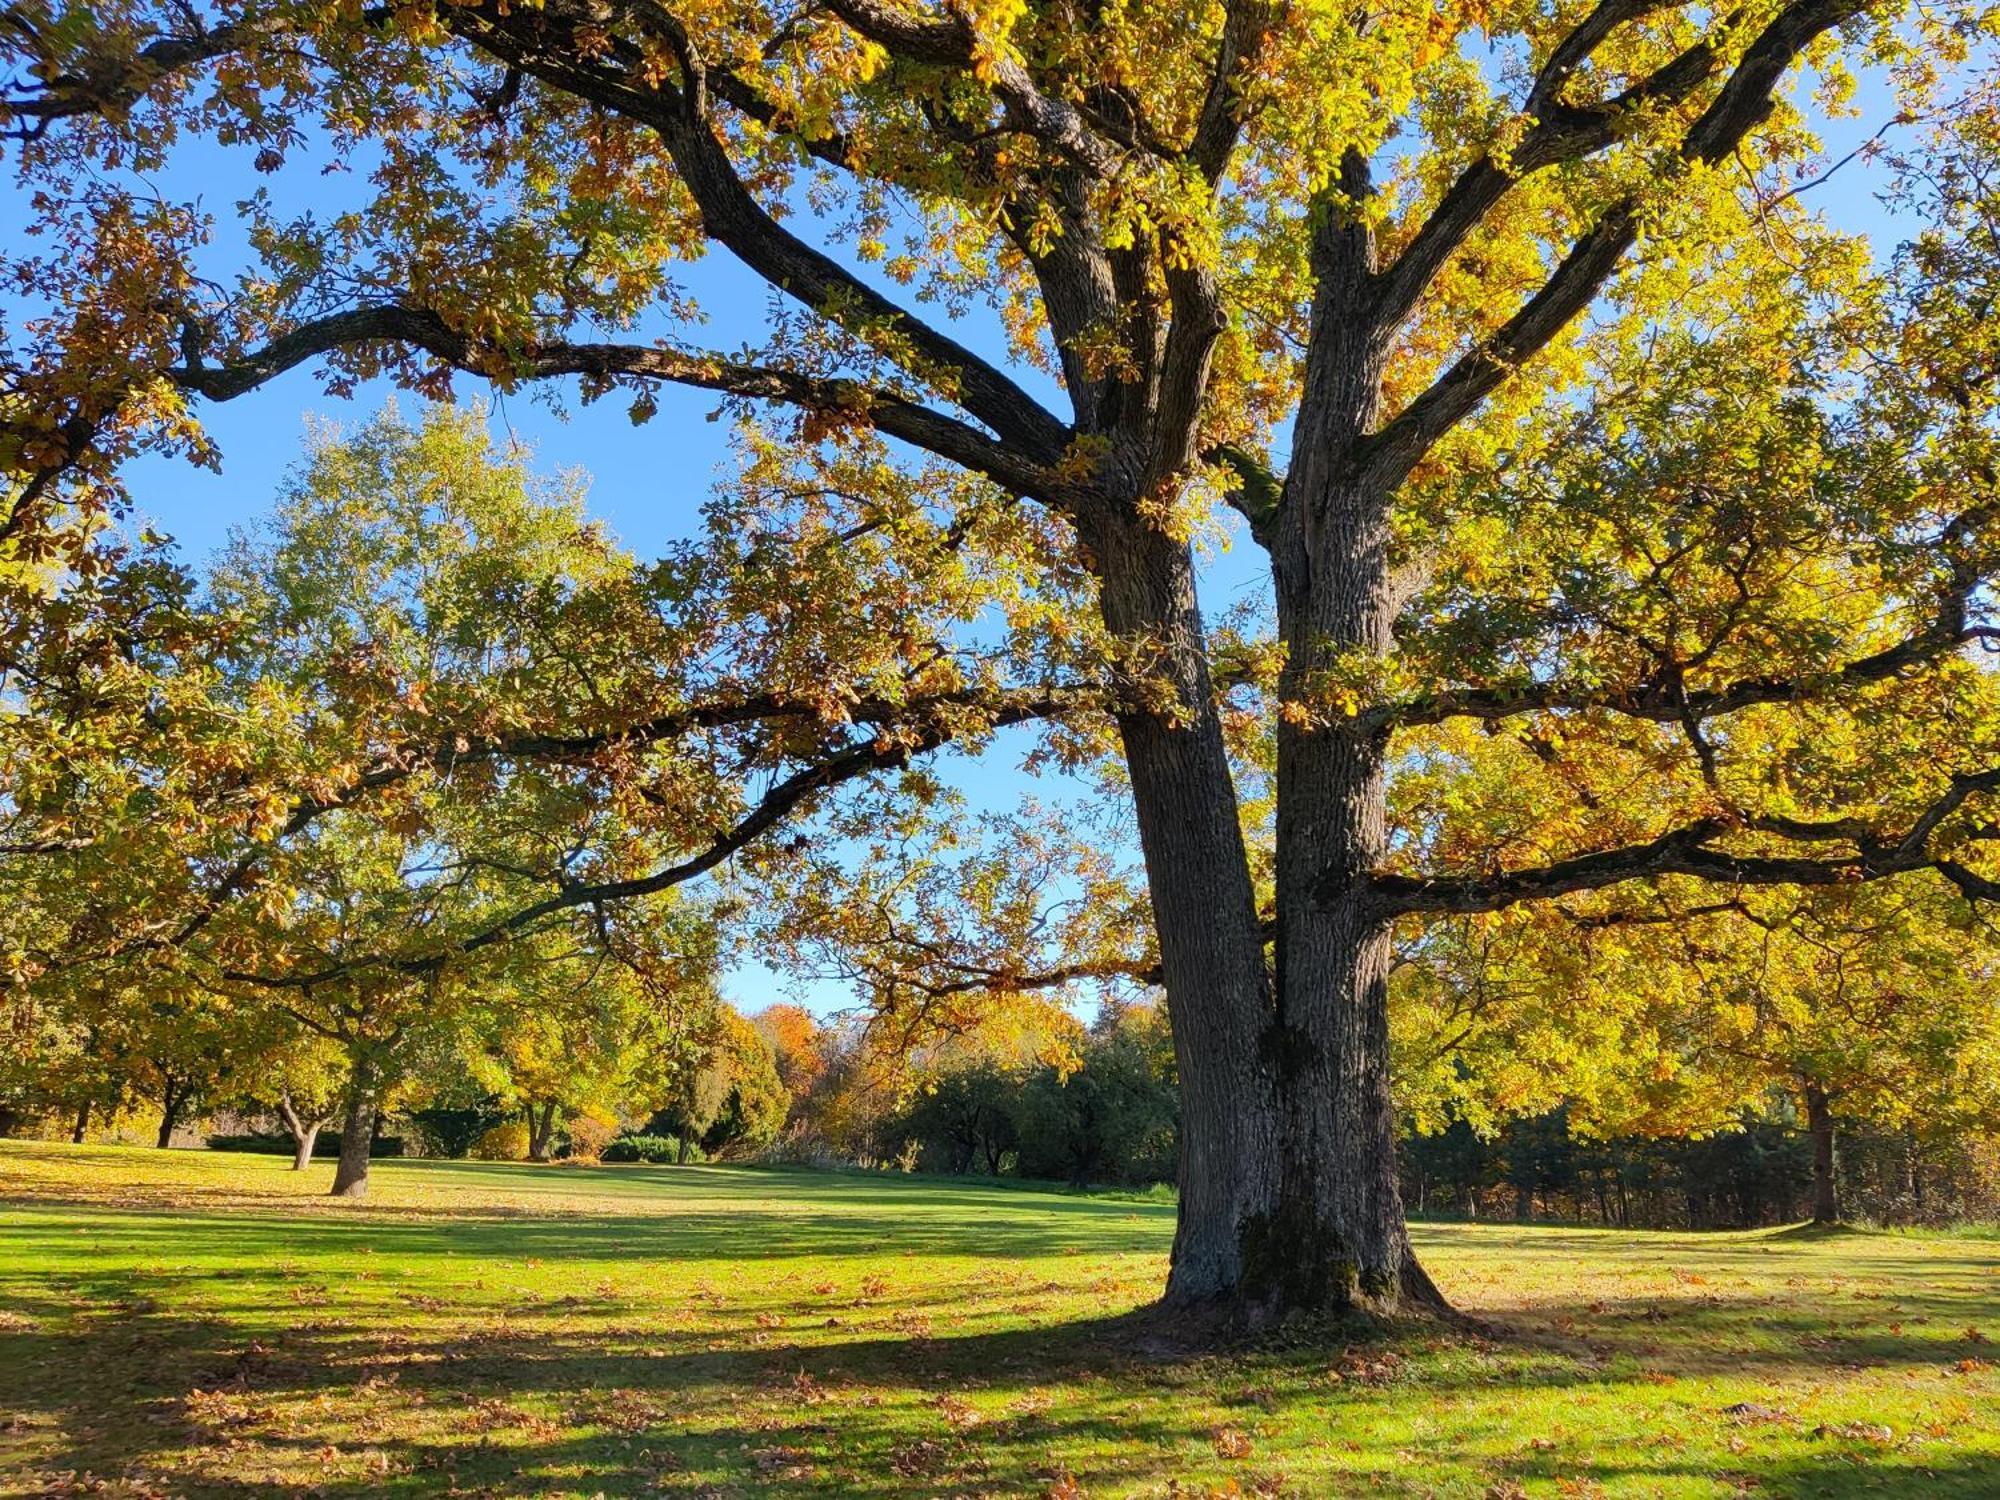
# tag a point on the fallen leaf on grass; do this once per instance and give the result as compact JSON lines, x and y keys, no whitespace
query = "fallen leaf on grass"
{"x":1231,"y":1442}
{"x":915,"y":1459}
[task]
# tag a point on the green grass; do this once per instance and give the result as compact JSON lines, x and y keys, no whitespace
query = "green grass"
{"x":175,"y":1323}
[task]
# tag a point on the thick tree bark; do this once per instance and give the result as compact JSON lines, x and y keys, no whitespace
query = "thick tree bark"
{"x":1289,"y":1194}
{"x":82,"y":1126}
{"x":1211,"y":946}
{"x":357,"y":1131}
{"x":1820,"y":1128}
{"x":1334,"y":1237}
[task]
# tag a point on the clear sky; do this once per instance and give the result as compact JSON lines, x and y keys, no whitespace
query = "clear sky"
{"x":646,"y":482}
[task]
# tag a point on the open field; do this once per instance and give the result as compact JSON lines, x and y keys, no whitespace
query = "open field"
{"x":188,"y":1323}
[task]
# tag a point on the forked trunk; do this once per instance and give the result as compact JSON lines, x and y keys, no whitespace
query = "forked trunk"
{"x":357,"y":1131}
{"x":1288,"y":1192}
{"x":541,"y":1131}
{"x":304,"y":1132}
{"x":1820,"y":1127}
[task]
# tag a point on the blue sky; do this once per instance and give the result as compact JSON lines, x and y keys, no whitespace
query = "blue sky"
{"x":646,"y":482}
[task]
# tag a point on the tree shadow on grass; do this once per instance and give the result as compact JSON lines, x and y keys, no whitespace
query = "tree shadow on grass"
{"x":190,"y":1361}
{"x":200,"y":1405}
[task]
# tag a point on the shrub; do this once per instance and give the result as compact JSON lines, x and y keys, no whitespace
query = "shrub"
{"x":507,"y":1141}
{"x":650,"y":1148}
{"x":454,"y":1132}
{"x":589,"y":1134}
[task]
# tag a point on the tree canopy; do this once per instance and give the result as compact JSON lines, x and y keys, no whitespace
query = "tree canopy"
{"x":1627,"y":523}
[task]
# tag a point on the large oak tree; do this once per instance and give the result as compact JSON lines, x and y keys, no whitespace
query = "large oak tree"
{"x":1525,"y":292}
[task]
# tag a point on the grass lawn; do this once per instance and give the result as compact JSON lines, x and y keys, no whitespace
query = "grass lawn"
{"x":186,"y":1323}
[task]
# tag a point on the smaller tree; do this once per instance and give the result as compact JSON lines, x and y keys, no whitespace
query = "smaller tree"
{"x":724,"y":1092}
{"x":963,"y":1115}
{"x":302,"y":1080}
{"x":1114,"y":1117}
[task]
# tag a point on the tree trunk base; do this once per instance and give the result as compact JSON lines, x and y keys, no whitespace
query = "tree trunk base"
{"x":1190,"y":1324}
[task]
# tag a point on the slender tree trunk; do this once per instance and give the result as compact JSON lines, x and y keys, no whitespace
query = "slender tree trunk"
{"x":171,"y":1101}
{"x":304,"y":1132}
{"x":357,"y":1130}
{"x":82,"y":1126}
{"x":1819,"y":1126}
{"x":541,"y":1132}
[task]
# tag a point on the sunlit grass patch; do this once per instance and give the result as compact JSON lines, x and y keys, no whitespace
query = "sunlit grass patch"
{"x":181,"y":1323}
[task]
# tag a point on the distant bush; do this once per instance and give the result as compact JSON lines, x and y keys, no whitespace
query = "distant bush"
{"x":454,"y":1132}
{"x":324,"y":1149}
{"x":589,"y":1134}
{"x":651,"y":1148}
{"x":507,"y":1141}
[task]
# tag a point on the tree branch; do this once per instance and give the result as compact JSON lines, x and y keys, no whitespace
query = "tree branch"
{"x":1742,"y":102}
{"x":857,"y":759}
{"x":1687,"y":851}
{"x":886,"y":411}
{"x":735,"y":220}
{"x":1660,"y":702}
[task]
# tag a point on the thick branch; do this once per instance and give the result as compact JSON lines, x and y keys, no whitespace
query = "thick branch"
{"x":115,"y":84}
{"x":1561,"y":132}
{"x":734,"y":218}
{"x":1245,"y":25}
{"x":1688,"y":851}
{"x":1663,"y":702}
{"x":951,"y":43}
{"x":887,"y":412}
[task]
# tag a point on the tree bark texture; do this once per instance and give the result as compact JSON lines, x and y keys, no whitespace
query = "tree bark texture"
{"x":357,"y":1130}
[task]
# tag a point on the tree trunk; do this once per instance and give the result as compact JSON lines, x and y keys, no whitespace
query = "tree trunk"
{"x":357,"y":1130}
{"x":1819,"y":1126}
{"x":171,"y":1101}
{"x":541,"y":1131}
{"x":1204,"y":910}
{"x":304,"y":1132}
{"x":82,"y":1126}
{"x":1333,"y":1234}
